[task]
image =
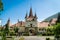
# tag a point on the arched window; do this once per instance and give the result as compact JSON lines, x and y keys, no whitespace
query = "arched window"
{"x":31,"y":25}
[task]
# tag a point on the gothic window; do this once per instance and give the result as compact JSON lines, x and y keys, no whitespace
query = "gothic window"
{"x":48,"y":24}
{"x":31,"y":25}
{"x":39,"y":29}
{"x":33,"y":19}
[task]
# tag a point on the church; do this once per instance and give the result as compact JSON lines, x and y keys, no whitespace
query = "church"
{"x":30,"y":26}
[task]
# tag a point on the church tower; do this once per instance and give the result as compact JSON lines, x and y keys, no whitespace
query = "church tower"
{"x":7,"y":25}
{"x":31,"y":22}
{"x":8,"y":22}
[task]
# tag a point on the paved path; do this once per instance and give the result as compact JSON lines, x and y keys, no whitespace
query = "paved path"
{"x":35,"y":37}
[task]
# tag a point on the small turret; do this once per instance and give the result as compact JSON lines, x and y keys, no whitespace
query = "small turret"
{"x":8,"y":21}
{"x":35,"y":16}
{"x":26,"y":15}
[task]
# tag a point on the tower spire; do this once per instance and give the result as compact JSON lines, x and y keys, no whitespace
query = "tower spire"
{"x":26,"y":15}
{"x":8,"y":20}
{"x":35,"y":15}
{"x":31,"y":15}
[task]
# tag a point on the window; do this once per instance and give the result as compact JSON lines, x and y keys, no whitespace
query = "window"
{"x":31,"y":25}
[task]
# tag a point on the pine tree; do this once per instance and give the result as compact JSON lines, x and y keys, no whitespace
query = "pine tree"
{"x":6,"y":29}
{"x":16,"y":29}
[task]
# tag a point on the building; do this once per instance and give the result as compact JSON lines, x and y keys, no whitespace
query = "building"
{"x":31,"y":23}
{"x":31,"y":26}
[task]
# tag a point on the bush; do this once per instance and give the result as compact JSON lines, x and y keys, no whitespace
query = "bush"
{"x":43,"y":34}
{"x":26,"y":34}
{"x":12,"y":34}
{"x":47,"y":38}
{"x":21,"y":38}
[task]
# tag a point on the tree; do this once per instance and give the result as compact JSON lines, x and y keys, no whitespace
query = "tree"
{"x":3,"y":32}
{"x":16,"y":29}
{"x":50,"y":30}
{"x":6,"y":28}
{"x":3,"y":35}
{"x":57,"y":29}
{"x":1,"y":6}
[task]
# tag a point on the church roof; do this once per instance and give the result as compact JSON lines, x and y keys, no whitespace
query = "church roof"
{"x":30,"y":19}
{"x":19,"y":24}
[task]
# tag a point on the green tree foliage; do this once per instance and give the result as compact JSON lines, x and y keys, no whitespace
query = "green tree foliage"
{"x":1,"y":5}
{"x":7,"y":29}
{"x":3,"y":35}
{"x":16,"y":29}
{"x":50,"y":30}
{"x":57,"y":29}
{"x":47,"y":38}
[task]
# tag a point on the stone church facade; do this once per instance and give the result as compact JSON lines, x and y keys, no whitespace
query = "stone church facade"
{"x":31,"y":23}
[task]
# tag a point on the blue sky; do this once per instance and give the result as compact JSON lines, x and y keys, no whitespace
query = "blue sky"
{"x":16,"y":9}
